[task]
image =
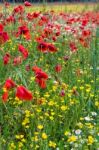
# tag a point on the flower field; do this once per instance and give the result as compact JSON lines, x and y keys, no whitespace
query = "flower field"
{"x":49,"y":79}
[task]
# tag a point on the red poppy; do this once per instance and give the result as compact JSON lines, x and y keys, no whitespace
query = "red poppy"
{"x":83,"y":42}
{"x":7,"y":4}
{"x":54,"y":38}
{"x":30,"y":16}
{"x":86,"y":33}
{"x":44,"y":19}
{"x":27,"y":4}
{"x":1,"y":27}
{"x":23,"y":94}
{"x":18,"y":9}
{"x":42,"y":46}
{"x":41,"y":76}
{"x":46,"y":47}
{"x":47,"y":31}
{"x":3,"y":37}
{"x":6,"y":58}
{"x":36,"y":14}
{"x":51,"y":48}
{"x":41,"y":83}
{"x":85,"y":22}
{"x":57,"y":33}
{"x":39,"y":39}
{"x":58,"y":68}
{"x":5,"y":96}
{"x":23,"y":30}
{"x":10,"y":19}
{"x":9,"y":84}
{"x":23,"y":50}
{"x":73,"y":47}
{"x":39,"y":73}
{"x":36,"y":69}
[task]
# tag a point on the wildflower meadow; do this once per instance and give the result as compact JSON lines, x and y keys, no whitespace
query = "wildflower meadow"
{"x":49,"y":78}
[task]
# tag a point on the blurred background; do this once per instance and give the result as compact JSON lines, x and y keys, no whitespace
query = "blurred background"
{"x":51,"y":1}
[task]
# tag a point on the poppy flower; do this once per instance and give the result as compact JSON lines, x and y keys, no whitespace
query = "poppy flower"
{"x":36,"y":69}
{"x":58,"y":68}
{"x":46,"y":47}
{"x":3,"y":37}
{"x":23,"y":50}
{"x":47,"y":32}
{"x":86,"y":33}
{"x":36,"y":14}
{"x":84,"y":22}
{"x":27,"y":4}
{"x":7,"y":4}
{"x":5,"y":96}
{"x":41,"y":76}
{"x":39,"y":39}
{"x":1,"y":27}
{"x":51,"y":48}
{"x":39,"y":73}
{"x":10,"y":19}
{"x":9,"y":84}
{"x":54,"y":38}
{"x":44,"y":19}
{"x":73,"y":46}
{"x":57,"y":33}
{"x":83,"y":42}
{"x":6,"y":58}
{"x":41,"y":83}
{"x":23,"y":30}
{"x":23,"y":94}
{"x":29,"y":16}
{"x":42,"y":46}
{"x":18,"y":9}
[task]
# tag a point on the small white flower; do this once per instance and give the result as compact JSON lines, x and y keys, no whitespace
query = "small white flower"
{"x":78,"y":131}
{"x":55,"y":82}
{"x":94,"y":113}
{"x":87,"y":118}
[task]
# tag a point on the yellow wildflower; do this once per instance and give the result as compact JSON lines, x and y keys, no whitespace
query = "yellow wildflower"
{"x":63,"y":108}
{"x":52,"y":144}
{"x":90,"y":140}
{"x":12,"y":145}
{"x":44,"y":136}
{"x":66,"y":133}
{"x":40,"y":127}
{"x":72,"y":138}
